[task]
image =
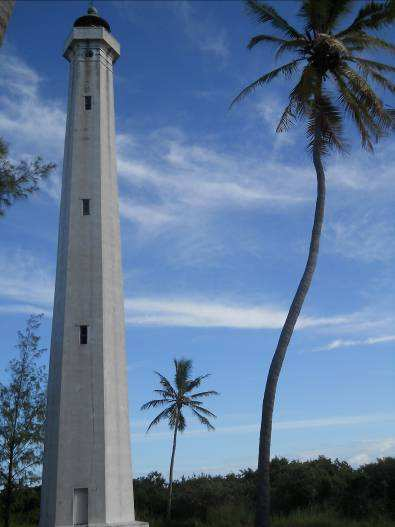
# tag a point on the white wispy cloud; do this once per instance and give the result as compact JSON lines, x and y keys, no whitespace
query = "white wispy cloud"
{"x":207,"y":36}
{"x":369,"y":450}
{"x":297,"y":424}
{"x":231,"y":312}
{"x":24,"y":309}
{"x":357,"y":452}
{"x":363,"y":235}
{"x":26,"y":118}
{"x":20,"y":294}
{"x":26,"y":282}
{"x":364,"y":172}
{"x":187,"y":312}
{"x":185,"y":183}
{"x":31,"y":124}
{"x":202,"y":312}
{"x":216,"y":44}
{"x":343,"y":343}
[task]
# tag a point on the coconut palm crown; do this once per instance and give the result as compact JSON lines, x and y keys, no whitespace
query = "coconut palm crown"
{"x":327,"y":55}
{"x":179,"y":397}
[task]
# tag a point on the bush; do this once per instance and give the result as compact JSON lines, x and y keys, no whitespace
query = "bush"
{"x":364,"y":496}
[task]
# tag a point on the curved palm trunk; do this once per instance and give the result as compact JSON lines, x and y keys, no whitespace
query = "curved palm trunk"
{"x":262,"y":517}
{"x":173,"y":453}
{"x":6,"y":7}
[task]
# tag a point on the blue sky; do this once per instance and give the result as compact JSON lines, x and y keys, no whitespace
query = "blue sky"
{"x":216,"y":211}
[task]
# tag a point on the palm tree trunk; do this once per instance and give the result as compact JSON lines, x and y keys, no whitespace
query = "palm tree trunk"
{"x":262,"y":517}
{"x":6,"y":7}
{"x":171,"y":468}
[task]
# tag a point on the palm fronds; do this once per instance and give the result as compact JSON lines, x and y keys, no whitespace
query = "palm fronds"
{"x":299,"y":98}
{"x":360,"y":41}
{"x":367,"y":96}
{"x":322,"y":15}
{"x":330,"y":56}
{"x":264,"y":38}
{"x":204,"y":421}
{"x":204,"y":394}
{"x":166,"y":413}
{"x":373,"y":15}
{"x":351,"y":105}
{"x":325,"y":117}
{"x":295,"y":45}
{"x":369,"y":72}
{"x":175,"y":398}
{"x":379,"y":66}
{"x":266,"y":13}
{"x":286,"y":69}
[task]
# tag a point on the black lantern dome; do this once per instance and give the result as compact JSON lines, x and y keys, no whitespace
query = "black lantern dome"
{"x":92,"y":19}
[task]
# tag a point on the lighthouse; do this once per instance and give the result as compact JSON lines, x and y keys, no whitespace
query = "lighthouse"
{"x":87,"y":476}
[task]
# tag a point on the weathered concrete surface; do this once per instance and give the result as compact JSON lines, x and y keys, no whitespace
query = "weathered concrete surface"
{"x":87,"y":442}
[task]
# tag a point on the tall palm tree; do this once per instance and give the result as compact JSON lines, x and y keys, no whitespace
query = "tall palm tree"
{"x":175,"y":399}
{"x":6,"y":7}
{"x":334,"y":81}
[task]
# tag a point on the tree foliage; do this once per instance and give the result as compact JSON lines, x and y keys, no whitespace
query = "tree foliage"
{"x":22,"y":415}
{"x":320,"y":484}
{"x":332,"y":487}
{"x":334,"y":79}
{"x":18,"y":181}
{"x":175,"y":399}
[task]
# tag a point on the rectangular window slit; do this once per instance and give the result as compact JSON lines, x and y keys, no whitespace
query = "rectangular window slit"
{"x":88,"y":102}
{"x":83,"y":334}
{"x":86,"y":210}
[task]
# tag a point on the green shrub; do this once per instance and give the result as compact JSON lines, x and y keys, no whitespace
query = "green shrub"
{"x":365,"y":497}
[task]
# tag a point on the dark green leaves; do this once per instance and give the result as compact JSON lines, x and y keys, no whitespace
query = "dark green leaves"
{"x":286,"y":69}
{"x":266,"y":13}
{"x":22,"y":411}
{"x":373,"y":15}
{"x":264,"y":38}
{"x":325,"y":125}
{"x":179,"y":397}
{"x":323,"y":15}
{"x":327,"y":56}
{"x":21,"y":180}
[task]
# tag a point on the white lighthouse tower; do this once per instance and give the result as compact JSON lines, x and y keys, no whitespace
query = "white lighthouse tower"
{"x":87,"y":477}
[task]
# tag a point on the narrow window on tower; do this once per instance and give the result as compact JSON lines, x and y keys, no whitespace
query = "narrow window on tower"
{"x":86,"y":207}
{"x":83,"y":334}
{"x":88,"y":102}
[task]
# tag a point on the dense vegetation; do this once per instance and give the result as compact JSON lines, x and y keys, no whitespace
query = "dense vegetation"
{"x":363,"y":497}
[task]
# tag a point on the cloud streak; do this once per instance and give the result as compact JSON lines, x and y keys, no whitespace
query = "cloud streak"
{"x":187,"y":312}
{"x":171,"y":182}
{"x":20,"y":294}
{"x":26,"y":119}
{"x":343,"y":343}
{"x":302,"y":424}
{"x":26,"y":281}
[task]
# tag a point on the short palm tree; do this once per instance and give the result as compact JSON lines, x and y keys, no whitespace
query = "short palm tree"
{"x":175,"y":399}
{"x":334,"y":81}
